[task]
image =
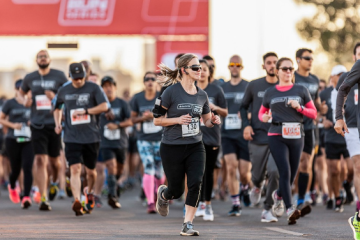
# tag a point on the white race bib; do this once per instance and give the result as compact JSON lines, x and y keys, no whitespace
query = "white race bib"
{"x":23,"y":132}
{"x":356,"y":91}
{"x":42,"y":102}
{"x":291,"y":130}
{"x":149,"y":127}
{"x":111,"y":134}
{"x":202,"y":122}
{"x":320,"y":125}
{"x":232,"y":121}
{"x":270,"y":120}
{"x":82,"y":119}
{"x":192,"y":129}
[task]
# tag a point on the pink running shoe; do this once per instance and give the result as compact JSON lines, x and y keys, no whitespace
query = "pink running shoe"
{"x":26,"y":202}
{"x":13,"y":195}
{"x":36,"y":197}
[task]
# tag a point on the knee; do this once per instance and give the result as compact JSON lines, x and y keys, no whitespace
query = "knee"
{"x":334,"y":171}
{"x":91,"y":173}
{"x":40,"y":162}
{"x":75,"y":169}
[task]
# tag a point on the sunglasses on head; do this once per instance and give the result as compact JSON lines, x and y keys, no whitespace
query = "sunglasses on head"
{"x":307,"y":58}
{"x":238,"y":65}
{"x":285,"y":69}
{"x":195,"y":68}
{"x":149,"y":79}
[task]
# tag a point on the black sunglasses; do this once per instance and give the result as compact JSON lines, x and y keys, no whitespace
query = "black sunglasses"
{"x":307,"y":58}
{"x":149,"y":79}
{"x":195,"y":68}
{"x":285,"y":69}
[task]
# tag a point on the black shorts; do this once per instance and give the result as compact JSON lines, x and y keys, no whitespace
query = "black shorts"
{"x":45,"y":140}
{"x":86,"y":154}
{"x":309,"y":141}
{"x":237,"y":146}
{"x":334,"y":151}
{"x":321,"y":141}
{"x":132,"y":148}
{"x":110,"y":153}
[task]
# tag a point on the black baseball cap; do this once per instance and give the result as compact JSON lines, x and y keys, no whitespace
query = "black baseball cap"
{"x":107,"y":79}
{"x":76,"y":71}
{"x":18,"y":83}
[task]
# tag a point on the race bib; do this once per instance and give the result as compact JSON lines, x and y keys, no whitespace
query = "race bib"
{"x":192,"y":129}
{"x":356,"y":91}
{"x":232,"y":121}
{"x":202,"y":122}
{"x":149,"y":127}
{"x":111,"y":134}
{"x":270,"y":120}
{"x":320,"y":125}
{"x":42,"y":102}
{"x":291,"y":130}
{"x":81,"y":119}
{"x":23,"y":132}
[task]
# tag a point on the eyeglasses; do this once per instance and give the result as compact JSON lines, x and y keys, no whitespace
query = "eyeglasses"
{"x":149,"y":79}
{"x":238,"y":65}
{"x":307,"y":58}
{"x":42,"y":56}
{"x":285,"y":69}
{"x":195,"y":68}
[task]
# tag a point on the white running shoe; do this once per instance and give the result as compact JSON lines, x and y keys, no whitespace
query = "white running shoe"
{"x":308,"y":198}
{"x":200,"y":212}
{"x":278,"y":207}
{"x":266,"y":216}
{"x":209,"y":215}
{"x":255,"y":195}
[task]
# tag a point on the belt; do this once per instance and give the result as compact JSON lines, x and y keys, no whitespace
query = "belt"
{"x":280,"y":123}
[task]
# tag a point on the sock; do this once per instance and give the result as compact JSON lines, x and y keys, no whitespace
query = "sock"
{"x":149,"y":186}
{"x":358,"y":206}
{"x":277,"y":196}
{"x":235,"y":199}
{"x":44,"y":198}
{"x":302,"y":183}
{"x":111,"y":181}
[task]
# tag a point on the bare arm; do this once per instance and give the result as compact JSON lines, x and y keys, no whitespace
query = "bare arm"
{"x":135,"y":118}
{"x":7,"y":123}
{"x":223,"y":112}
{"x":126,"y":123}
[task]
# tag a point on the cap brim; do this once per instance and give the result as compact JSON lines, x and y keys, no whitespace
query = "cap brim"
{"x":77,"y":75}
{"x":110,"y":81}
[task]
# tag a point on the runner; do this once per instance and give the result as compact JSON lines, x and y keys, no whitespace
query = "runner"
{"x":94,"y":77}
{"x":16,"y":117}
{"x":114,"y":139}
{"x":234,"y":146}
{"x":182,"y":150}
{"x":82,"y":101}
{"x":256,"y":133}
{"x":303,"y":77}
{"x":211,"y":63}
{"x":43,"y":85}
{"x":288,"y":103}
{"x":211,"y":140}
{"x":148,"y":139}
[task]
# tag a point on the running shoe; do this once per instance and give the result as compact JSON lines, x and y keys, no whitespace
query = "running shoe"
{"x":53,"y":191}
{"x":339,"y":205}
{"x":255,"y":195}
{"x":26,"y":202}
{"x":162,"y":205}
{"x":325,"y":199}
{"x":36,"y":196}
{"x":13,"y":195}
{"x":355,"y":226}
{"x":313,"y":196}
{"x":44,"y":206}
{"x":89,"y":200}
{"x":77,"y":208}
{"x":113,"y":202}
{"x":244,"y":195}
{"x":151,"y":209}
{"x":61,"y":194}
{"x":68,"y":188}
{"x":267,"y":216}
{"x":278,"y":206}
{"x":209,"y":215}
{"x":304,"y":209}
{"x":235,"y":211}
{"x":293,"y":214}
{"x":308,"y":198}
{"x":188,"y":230}
{"x":349,"y":194}
{"x":330,"y":204}
{"x":200,"y":211}
{"x":98,"y":202}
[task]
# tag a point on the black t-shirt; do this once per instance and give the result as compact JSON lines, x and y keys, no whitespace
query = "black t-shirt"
{"x":277,"y":102}
{"x":115,"y":138}
{"x":212,"y":136}
{"x":232,"y":124}
{"x":148,"y":131}
{"x":85,"y":129}
{"x":17,"y":113}
{"x":312,"y":84}
{"x":350,"y":104}
{"x":254,"y":97}
{"x":179,"y":102}
{"x":330,"y":134}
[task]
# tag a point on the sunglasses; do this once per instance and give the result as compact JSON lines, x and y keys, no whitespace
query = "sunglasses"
{"x":149,"y":79}
{"x":285,"y":69}
{"x":195,"y":68}
{"x":42,"y":56}
{"x":307,"y":58}
{"x":238,"y":65}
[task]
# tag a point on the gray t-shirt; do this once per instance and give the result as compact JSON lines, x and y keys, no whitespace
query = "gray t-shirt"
{"x":17,"y":113}
{"x":179,"y":102}
{"x":212,"y":136}
{"x":84,"y":129}
{"x":148,"y":131}
{"x":232,"y":127}
{"x":351,"y":103}
{"x":115,"y":138}
{"x":41,"y":106}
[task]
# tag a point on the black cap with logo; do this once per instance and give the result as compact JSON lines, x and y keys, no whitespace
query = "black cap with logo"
{"x":77,"y":71}
{"x":107,"y":79}
{"x":18,"y":83}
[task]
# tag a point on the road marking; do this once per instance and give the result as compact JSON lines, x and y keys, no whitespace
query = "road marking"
{"x":285,"y":231}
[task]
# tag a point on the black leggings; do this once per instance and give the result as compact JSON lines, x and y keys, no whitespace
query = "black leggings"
{"x":21,"y":156}
{"x":208,"y":180}
{"x":179,"y":160}
{"x":286,"y":153}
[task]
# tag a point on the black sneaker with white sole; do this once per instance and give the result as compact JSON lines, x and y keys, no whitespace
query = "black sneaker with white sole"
{"x":188,"y":230}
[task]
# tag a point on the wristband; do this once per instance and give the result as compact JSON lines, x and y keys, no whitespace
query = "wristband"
{"x":86,"y":111}
{"x":302,"y":108}
{"x":212,"y":123}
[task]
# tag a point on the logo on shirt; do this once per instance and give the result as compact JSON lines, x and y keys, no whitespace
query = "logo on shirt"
{"x":116,"y":111}
{"x":237,"y":96}
{"x":45,"y":84}
{"x":211,"y":100}
{"x":261,"y":94}
{"x":285,"y":100}
{"x":195,"y":108}
{"x":313,"y":88}
{"x":83,"y":99}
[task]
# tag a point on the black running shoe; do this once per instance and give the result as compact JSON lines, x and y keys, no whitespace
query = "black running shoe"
{"x":44,"y":206}
{"x":349,"y":195}
{"x":330,"y":204}
{"x":339,"y":205}
{"x":235,"y":211}
{"x":304,"y":209}
{"x":53,"y":191}
{"x":113,"y":202}
{"x":188,"y":230}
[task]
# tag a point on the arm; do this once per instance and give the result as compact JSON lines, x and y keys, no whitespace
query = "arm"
{"x":263,"y":114}
{"x":102,"y":107}
{"x":221,"y":111}
{"x":309,"y":110}
{"x":57,"y":118}
{"x":210,"y":120}
{"x":7,"y":123}
{"x":164,"y":121}
{"x":245,"y":103}
{"x":135,"y":118}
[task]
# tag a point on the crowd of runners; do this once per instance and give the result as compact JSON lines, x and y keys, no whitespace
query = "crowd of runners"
{"x":288,"y":137}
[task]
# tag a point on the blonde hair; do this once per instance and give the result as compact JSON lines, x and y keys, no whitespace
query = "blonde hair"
{"x":170,"y":76}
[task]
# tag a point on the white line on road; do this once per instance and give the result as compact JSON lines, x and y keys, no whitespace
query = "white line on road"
{"x":285,"y":231}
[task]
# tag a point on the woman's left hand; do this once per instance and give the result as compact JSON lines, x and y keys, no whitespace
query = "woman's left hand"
{"x":215,"y":119}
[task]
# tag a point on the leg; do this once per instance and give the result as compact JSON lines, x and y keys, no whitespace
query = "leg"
{"x":321,"y":173}
{"x":211,"y":157}
{"x":100,"y":172}
{"x":111,"y":178}
{"x":75,"y":182}
{"x":62,"y":171}
{"x":232,"y":165}
{"x":14,"y":152}
{"x":273,"y":182}
{"x":258,"y":157}
{"x":41,"y":176}
{"x":334,"y":166}
{"x":27,"y":163}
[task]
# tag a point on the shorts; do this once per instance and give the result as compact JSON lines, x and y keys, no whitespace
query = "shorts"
{"x":86,"y":154}
{"x":45,"y":140}
{"x":132,"y":148}
{"x":353,"y":141}
{"x":110,"y":153}
{"x":237,"y":146}
{"x":309,"y":141}
{"x":334,"y":151}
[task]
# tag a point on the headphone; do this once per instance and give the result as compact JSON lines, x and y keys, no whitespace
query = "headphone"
{"x":298,"y":61}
